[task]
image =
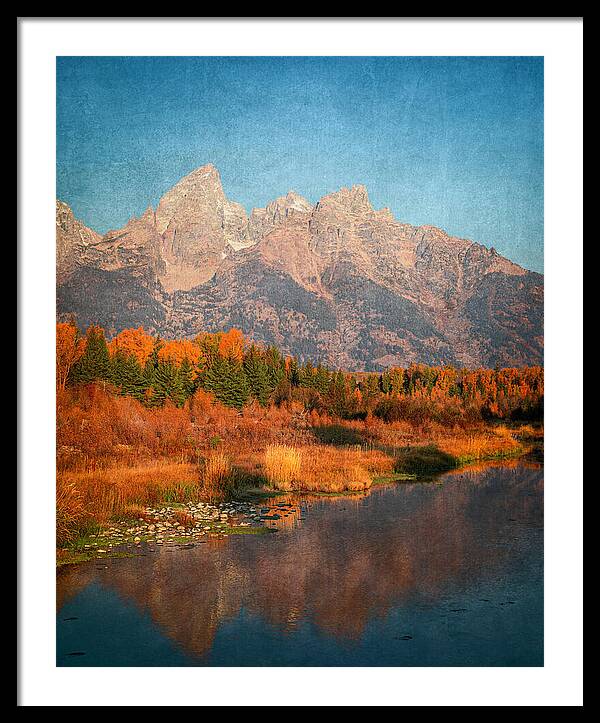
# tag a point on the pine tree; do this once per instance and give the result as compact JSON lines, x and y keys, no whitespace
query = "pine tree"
{"x":337,"y":395}
{"x":321,"y":380}
{"x":275,"y":367}
{"x":306,"y":375}
{"x":127,"y":375}
{"x":167,"y":385}
{"x":257,"y":375}
{"x":152,"y":364}
{"x":116,"y":370}
{"x":226,"y":379}
{"x":177,"y":392}
{"x":186,"y":376}
{"x":371,"y":386}
{"x":385,"y":383}
{"x":94,"y":364}
{"x":293,"y":373}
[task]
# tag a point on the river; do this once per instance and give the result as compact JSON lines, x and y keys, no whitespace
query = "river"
{"x":443,"y":573}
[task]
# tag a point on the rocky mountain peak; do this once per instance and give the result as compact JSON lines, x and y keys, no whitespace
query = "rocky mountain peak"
{"x":63,"y":212}
{"x":285,"y":206}
{"x":198,"y":226}
{"x":199,"y":192}
{"x":148,"y":216}
{"x":354,"y":200}
{"x":288,"y":209}
{"x":73,"y":240}
{"x":295,"y":200}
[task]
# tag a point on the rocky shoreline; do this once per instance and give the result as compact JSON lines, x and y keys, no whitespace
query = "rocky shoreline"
{"x":178,"y":524}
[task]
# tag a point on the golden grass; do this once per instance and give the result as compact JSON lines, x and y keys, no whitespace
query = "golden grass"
{"x":322,"y":468}
{"x":528,"y":431}
{"x":465,"y":447}
{"x":101,"y":494}
{"x":282,"y":466}
{"x":216,"y":477}
{"x":69,"y":511}
{"x":136,"y":510}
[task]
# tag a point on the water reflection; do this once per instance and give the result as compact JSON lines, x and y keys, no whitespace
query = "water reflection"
{"x":340,"y":574}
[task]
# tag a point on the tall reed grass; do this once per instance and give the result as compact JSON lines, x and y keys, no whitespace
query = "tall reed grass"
{"x":216,"y":476}
{"x":96,"y":496}
{"x":323,"y":468}
{"x":69,"y":511}
{"x":282,"y":466}
{"x":474,"y":446}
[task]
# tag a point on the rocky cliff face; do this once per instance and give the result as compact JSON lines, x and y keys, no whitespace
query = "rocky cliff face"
{"x":338,"y":281}
{"x":75,"y":243}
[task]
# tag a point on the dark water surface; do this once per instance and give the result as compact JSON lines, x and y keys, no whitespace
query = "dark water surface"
{"x":427,"y":574}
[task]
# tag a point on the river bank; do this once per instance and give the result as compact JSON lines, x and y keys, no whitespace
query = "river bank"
{"x":182,"y":517}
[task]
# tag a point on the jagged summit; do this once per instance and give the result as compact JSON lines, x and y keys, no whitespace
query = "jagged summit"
{"x":351,"y":200}
{"x":198,"y":191}
{"x":337,"y":280}
{"x":285,"y":209}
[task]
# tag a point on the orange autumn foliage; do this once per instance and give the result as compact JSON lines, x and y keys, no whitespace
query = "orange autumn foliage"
{"x":69,"y":348}
{"x":133,"y":342}
{"x":231,"y":344}
{"x":177,"y":350}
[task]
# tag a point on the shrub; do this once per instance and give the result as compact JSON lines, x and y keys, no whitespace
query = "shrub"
{"x":396,"y":409}
{"x":337,"y":434}
{"x":424,"y":460}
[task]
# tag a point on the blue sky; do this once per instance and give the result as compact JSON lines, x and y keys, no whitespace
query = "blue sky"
{"x":452,"y":142}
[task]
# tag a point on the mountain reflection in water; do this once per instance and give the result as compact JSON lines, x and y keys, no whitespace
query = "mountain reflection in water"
{"x":442,"y":573}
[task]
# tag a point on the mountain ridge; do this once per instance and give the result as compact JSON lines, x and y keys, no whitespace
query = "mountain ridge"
{"x":337,"y":280}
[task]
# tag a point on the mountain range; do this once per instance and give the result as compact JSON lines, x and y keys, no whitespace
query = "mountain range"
{"x":338,"y":281}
